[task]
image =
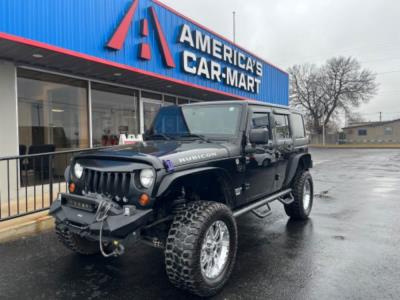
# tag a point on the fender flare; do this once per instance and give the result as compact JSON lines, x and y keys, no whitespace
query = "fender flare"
{"x":169,"y":179}
{"x":293,"y":164}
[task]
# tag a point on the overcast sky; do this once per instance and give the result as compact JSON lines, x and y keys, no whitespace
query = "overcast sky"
{"x":287,"y":32}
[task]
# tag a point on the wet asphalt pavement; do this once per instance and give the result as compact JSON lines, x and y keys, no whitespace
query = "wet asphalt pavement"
{"x":349,"y":249}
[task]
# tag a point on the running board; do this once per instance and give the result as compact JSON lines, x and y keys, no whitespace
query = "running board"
{"x":261,"y":202}
{"x":289,"y":199}
{"x":263,"y":211}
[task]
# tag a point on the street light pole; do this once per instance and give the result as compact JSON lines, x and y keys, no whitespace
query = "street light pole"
{"x":234,"y":26}
{"x":323,"y":131}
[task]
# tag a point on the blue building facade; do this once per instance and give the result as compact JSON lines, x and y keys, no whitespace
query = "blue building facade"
{"x":142,"y":37}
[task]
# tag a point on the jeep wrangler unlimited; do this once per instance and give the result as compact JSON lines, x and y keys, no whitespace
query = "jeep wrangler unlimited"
{"x":200,"y":167}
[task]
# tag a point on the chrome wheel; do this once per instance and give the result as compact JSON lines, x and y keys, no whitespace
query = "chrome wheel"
{"x":306,"y":195}
{"x":215,"y":250}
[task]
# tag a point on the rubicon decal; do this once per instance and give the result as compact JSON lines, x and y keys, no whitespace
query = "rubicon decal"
{"x":117,"y":40}
{"x":197,"y":157}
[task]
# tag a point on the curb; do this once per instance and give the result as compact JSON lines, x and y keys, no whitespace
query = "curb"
{"x":28,"y":228}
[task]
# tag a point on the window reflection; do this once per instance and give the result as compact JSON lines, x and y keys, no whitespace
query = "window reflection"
{"x":52,"y":112}
{"x":114,"y":112}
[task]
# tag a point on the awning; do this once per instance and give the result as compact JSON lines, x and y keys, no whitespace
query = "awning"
{"x":27,"y":52}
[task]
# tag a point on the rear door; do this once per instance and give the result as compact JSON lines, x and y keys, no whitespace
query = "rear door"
{"x":283,"y":146}
{"x":297,"y":127}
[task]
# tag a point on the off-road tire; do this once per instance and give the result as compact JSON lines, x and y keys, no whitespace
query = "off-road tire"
{"x":296,"y":210}
{"x":183,"y":247}
{"x":76,"y":243}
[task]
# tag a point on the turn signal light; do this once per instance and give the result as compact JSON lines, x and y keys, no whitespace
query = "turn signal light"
{"x":144,"y":200}
{"x":72,"y":187}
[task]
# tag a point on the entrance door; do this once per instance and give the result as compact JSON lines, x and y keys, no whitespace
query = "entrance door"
{"x":150,"y":109}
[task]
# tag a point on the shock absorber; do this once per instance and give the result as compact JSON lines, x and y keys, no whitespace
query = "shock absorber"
{"x":179,"y":204}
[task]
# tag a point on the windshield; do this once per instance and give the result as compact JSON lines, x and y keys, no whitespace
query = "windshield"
{"x":199,"y":121}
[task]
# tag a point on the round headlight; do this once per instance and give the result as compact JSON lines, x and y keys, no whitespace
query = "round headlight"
{"x":78,"y":170}
{"x":146,"y":178}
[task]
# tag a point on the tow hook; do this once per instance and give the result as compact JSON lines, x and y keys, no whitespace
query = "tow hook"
{"x":101,"y":216}
{"x":119,"y":249}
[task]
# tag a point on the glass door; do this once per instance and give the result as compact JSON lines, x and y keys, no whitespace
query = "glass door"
{"x":150,"y":109}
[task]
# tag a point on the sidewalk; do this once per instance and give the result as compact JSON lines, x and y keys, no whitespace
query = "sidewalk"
{"x":25,"y":226}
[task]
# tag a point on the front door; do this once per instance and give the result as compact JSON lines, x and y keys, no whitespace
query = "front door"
{"x":260,"y":166}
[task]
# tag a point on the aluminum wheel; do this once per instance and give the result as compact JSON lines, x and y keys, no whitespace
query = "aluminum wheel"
{"x":306,"y":195}
{"x":215,"y":250}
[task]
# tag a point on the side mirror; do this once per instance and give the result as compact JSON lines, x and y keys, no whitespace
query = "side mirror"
{"x":259,"y":136}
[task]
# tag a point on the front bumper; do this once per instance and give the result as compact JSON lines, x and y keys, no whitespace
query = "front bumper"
{"x":78,"y":213}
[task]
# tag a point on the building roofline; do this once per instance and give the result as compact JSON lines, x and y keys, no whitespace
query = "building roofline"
{"x":371,"y":124}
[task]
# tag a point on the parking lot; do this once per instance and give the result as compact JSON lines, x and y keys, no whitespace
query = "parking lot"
{"x":349,"y":249}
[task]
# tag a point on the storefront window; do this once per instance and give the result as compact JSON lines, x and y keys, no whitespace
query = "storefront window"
{"x":114,"y":112}
{"x":169,"y":100}
{"x":52,"y":112}
{"x":183,"y":101}
{"x":152,"y":103}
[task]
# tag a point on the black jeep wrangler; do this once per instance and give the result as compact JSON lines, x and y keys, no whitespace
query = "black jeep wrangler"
{"x":200,"y":167}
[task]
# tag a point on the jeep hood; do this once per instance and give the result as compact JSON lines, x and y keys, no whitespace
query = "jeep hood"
{"x":157,"y":153}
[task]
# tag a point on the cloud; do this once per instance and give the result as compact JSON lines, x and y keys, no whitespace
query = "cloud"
{"x":287,"y":32}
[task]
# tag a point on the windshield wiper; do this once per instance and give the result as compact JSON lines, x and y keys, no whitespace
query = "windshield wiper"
{"x":198,"y":136}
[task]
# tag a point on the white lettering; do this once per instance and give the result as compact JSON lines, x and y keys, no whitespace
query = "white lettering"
{"x":228,"y":54}
{"x":186,"y":36}
{"x":259,"y":69}
{"x":202,"y":69}
{"x":217,"y":49}
{"x":203,"y":42}
{"x":189,"y":57}
{"x":258,"y":84}
{"x":241,"y":62}
{"x":250,"y":84}
{"x":231,"y":77}
{"x":250,"y":65}
{"x":216,"y":71}
{"x":242,"y":81}
{"x":200,"y":64}
{"x":197,"y":157}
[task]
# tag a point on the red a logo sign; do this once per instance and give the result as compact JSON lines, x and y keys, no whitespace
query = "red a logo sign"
{"x":118,"y":39}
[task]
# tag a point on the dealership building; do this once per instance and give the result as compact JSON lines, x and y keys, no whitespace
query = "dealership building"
{"x":77,"y":74}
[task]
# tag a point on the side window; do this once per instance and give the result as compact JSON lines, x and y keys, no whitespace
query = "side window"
{"x":282,"y":127}
{"x":260,"y":120}
{"x":297,"y":126}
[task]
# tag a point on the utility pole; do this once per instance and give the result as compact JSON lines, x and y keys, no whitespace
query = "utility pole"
{"x":234,"y":26}
{"x":380,"y":116}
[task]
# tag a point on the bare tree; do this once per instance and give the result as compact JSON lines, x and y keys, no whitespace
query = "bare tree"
{"x":355,"y":118}
{"x":322,"y":92}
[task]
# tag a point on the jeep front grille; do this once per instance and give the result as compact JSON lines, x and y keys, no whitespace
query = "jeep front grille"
{"x":114,"y":185}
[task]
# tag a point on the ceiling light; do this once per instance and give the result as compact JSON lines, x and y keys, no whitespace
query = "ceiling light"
{"x":57,"y":110}
{"x":117,"y":74}
{"x":37,"y":55}
{"x":169,"y":86}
